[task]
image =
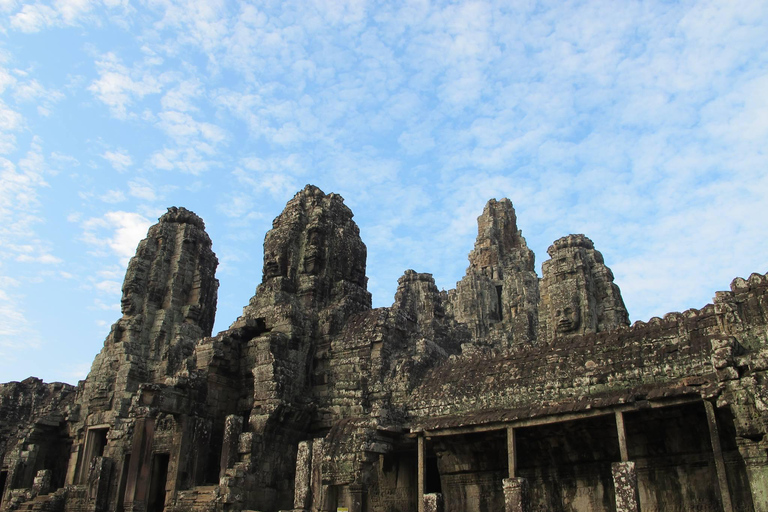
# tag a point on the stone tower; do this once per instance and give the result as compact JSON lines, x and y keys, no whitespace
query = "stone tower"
{"x":168,"y":303}
{"x":497,"y":298}
{"x":578,"y":294}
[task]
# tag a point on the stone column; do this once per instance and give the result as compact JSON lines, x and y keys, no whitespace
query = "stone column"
{"x":511,"y":452}
{"x":625,"y":486}
{"x":137,"y":484}
{"x":622,"y":436}
{"x":233,"y":426}
{"x":317,"y":489}
{"x":356,"y":497}
{"x":624,"y":473}
{"x":756,"y":460}
{"x":99,"y":476}
{"x":722,"y":477}
{"x":433,"y":502}
{"x":516,"y":498}
{"x":421,"y":473}
{"x":302,"y":499}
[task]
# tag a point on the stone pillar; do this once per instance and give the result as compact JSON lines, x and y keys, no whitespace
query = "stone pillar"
{"x":433,"y":502}
{"x":722,"y":477}
{"x":317,"y":488}
{"x":233,"y":426}
{"x":99,"y":476}
{"x":302,"y":494}
{"x":356,"y":497}
{"x":511,"y":452}
{"x":137,"y":484}
{"x":625,"y":486}
{"x":516,"y":497}
{"x":42,"y":482}
{"x":622,"y":432}
{"x":421,"y":472}
{"x":756,"y":460}
{"x":74,"y":454}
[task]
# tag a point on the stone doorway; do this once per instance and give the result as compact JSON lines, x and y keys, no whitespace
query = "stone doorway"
{"x":158,"y":481}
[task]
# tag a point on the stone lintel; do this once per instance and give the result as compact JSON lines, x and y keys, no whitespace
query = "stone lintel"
{"x":556,"y":418}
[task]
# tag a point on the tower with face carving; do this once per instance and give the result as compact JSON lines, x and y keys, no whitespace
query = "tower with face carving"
{"x":578,"y":294}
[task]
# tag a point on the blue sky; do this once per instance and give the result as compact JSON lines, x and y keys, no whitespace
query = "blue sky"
{"x":643,"y":124}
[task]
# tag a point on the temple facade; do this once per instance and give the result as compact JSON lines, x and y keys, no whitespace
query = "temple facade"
{"x":511,"y":392}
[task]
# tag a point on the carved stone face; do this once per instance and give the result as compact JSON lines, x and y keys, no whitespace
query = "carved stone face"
{"x":567,"y":317}
{"x":129,"y":303}
{"x":312,"y":255}
{"x":273,"y":264}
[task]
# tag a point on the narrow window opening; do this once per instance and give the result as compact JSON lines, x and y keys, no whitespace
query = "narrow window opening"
{"x":158,"y":480}
{"x":498,"y":304}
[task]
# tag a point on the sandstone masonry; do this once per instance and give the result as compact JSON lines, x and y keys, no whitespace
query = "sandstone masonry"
{"x":510,"y":392}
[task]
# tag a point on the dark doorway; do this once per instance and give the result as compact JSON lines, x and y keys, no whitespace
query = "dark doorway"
{"x":432,"y":476}
{"x":158,"y":479}
{"x":3,"y":480}
{"x":95,"y":441}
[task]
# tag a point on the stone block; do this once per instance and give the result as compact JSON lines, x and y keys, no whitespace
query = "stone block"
{"x":433,"y":502}
{"x":516,"y":498}
{"x":625,"y":486}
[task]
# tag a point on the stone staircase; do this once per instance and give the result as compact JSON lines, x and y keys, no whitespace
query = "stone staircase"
{"x":45,"y":503}
{"x":197,"y":499}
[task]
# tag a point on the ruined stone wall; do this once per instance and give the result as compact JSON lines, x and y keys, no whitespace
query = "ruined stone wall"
{"x":663,"y":357}
{"x":33,"y":432}
{"x":312,"y":400}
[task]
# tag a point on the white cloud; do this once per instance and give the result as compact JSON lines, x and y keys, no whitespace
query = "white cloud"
{"x":34,"y":17}
{"x":113,"y":196}
{"x":119,"y":159}
{"x":187,"y":160}
{"x":108,"y":287}
{"x":118,"y":87}
{"x":142,"y":189}
{"x":180,"y":98}
{"x":10,"y":121}
{"x":184,"y":129}
{"x":116,"y":232}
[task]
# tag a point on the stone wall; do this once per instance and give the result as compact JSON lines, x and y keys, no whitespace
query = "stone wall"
{"x":508,"y":393}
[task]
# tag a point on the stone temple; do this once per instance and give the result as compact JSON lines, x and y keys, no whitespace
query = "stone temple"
{"x":511,"y":392}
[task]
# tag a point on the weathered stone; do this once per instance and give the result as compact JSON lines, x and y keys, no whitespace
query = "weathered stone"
{"x":516,"y":497}
{"x":433,"y":502}
{"x":42,"y":482}
{"x":498,"y":297}
{"x":625,"y":486}
{"x":578,"y":294}
{"x":313,"y":401}
{"x":302,"y":488}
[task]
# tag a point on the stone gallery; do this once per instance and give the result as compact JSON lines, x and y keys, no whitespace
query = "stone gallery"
{"x":511,"y":392}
